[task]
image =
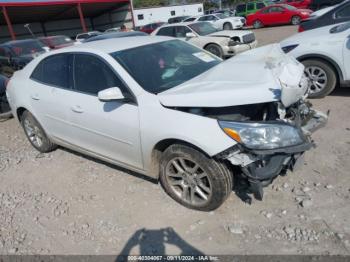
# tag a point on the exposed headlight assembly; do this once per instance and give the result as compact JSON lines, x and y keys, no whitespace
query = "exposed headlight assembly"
{"x":262,"y":136}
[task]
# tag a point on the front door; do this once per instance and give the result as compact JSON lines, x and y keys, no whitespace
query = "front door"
{"x":110,"y":129}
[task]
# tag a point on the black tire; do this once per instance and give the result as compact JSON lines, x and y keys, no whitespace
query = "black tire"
{"x":227,"y":26}
{"x":45,"y":145}
{"x":257,"y":24}
{"x":215,"y":50}
{"x":295,"y":20}
{"x":331,"y":77}
{"x":5,"y":110}
{"x":218,"y":178}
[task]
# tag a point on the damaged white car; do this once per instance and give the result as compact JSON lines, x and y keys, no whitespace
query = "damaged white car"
{"x":169,"y":110}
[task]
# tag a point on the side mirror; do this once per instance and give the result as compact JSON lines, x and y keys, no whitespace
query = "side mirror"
{"x":110,"y":94}
{"x":190,"y":35}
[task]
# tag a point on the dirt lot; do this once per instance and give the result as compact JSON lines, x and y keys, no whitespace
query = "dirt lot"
{"x":65,"y":203}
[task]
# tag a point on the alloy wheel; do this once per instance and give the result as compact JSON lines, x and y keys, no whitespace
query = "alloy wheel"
{"x":33,"y":132}
{"x":296,"y":20}
{"x":318,"y":78}
{"x":188,"y":181}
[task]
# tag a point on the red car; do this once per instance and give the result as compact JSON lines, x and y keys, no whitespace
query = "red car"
{"x":56,"y":42}
{"x":277,"y":15}
{"x":300,"y":4}
{"x":149,"y":28}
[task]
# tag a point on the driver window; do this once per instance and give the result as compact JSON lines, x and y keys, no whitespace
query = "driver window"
{"x":92,"y":75}
{"x":181,"y":31}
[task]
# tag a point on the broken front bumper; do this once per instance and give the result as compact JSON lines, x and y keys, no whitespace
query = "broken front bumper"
{"x":260,"y":167}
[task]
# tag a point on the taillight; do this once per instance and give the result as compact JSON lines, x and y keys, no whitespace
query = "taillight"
{"x":301,"y":29}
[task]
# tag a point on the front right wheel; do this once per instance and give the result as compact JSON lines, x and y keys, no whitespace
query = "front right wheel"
{"x":193,"y":179}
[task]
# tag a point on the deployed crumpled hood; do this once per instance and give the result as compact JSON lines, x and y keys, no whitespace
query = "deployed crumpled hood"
{"x":260,"y":75}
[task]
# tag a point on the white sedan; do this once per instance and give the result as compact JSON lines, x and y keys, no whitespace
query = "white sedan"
{"x":325,"y":53}
{"x":167,"y":109}
{"x":202,"y":34}
{"x":220,"y":21}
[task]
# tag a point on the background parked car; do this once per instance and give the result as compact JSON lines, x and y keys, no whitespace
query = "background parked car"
{"x":220,"y":21}
{"x":56,"y":42}
{"x":149,"y":28}
{"x":226,"y":12}
{"x":114,"y":35}
{"x":14,"y":55}
{"x":318,"y":4}
{"x":300,"y":4}
{"x":177,"y":19}
{"x":325,"y":53}
{"x":277,"y":15}
{"x":5,"y":110}
{"x":114,"y":29}
{"x":333,"y":15}
{"x":205,"y":35}
{"x":82,"y":36}
{"x":250,"y":8}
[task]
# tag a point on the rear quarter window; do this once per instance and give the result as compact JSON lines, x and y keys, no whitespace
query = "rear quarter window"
{"x":53,"y":71}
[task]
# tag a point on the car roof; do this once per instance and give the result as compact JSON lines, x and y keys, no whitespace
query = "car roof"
{"x":182,"y":24}
{"x":115,"y":44}
{"x":114,"y":35}
{"x":18,"y":41}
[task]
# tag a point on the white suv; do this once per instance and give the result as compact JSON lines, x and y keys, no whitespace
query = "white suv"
{"x":325,"y":53}
{"x":220,"y":21}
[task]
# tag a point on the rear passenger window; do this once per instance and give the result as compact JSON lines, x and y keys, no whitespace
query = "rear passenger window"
{"x":92,"y":75}
{"x":53,"y":70}
{"x":166,"y":31}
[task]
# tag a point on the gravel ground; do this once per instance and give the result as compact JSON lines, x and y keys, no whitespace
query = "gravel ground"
{"x":65,"y":203}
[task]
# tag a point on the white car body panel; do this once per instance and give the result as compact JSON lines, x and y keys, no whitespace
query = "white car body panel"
{"x":235,"y":21}
{"x":321,"y":42}
{"x":126,"y":134}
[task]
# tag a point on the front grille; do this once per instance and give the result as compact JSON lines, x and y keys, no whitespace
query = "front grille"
{"x":248,"y":38}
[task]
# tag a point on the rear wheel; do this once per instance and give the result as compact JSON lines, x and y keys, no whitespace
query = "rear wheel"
{"x":227,"y":26}
{"x":257,"y":24}
{"x":5,"y":110}
{"x":215,"y":50}
{"x":36,"y":134}
{"x":323,"y":77}
{"x":295,"y":20}
{"x":193,"y":179}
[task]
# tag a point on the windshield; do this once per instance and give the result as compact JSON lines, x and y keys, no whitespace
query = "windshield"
{"x":289,"y":7}
{"x":221,"y":16}
{"x":60,"y":40}
{"x":27,"y":48}
{"x":162,"y":66}
{"x":203,"y":28}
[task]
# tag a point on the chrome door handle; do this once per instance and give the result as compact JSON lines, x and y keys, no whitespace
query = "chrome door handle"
{"x":35,"y":97}
{"x":77,"y":109}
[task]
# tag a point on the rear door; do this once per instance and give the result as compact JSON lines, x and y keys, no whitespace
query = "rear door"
{"x":50,"y":89}
{"x":109,"y":129}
